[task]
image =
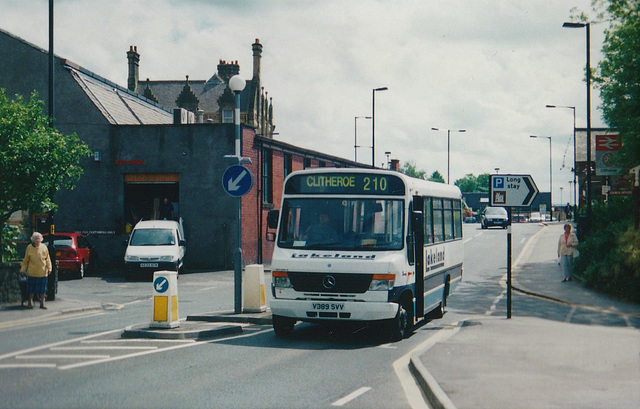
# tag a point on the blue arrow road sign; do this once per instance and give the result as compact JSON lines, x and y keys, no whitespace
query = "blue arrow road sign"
{"x":161,"y":284}
{"x":237,"y":180}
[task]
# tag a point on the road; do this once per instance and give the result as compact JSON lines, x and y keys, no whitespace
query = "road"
{"x":82,"y":361}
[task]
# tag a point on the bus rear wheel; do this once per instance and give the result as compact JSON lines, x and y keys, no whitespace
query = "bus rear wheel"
{"x":283,"y":326}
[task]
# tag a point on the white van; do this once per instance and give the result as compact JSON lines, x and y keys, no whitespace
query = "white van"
{"x":155,"y":245}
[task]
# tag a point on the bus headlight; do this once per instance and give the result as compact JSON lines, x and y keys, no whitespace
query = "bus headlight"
{"x":382,"y":282}
{"x":280,"y":279}
{"x":131,"y":258}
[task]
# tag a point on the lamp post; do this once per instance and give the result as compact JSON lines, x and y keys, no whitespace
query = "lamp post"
{"x":550,"y":174}
{"x":237,"y":84}
{"x":575,"y":168}
{"x":449,"y":147}
{"x":355,"y":136}
{"x":373,"y":124}
{"x":588,"y":74}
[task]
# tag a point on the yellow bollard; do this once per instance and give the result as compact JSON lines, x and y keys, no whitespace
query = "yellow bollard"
{"x":254,"y":295}
{"x":165,"y":300}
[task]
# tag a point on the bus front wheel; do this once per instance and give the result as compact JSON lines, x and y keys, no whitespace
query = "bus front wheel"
{"x":401,"y":325}
{"x":283,"y":326}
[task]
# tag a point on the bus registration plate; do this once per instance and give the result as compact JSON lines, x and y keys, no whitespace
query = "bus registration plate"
{"x":328,"y":306}
{"x":148,"y":265}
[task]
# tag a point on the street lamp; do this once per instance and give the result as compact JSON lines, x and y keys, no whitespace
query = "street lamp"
{"x":575,"y":168}
{"x":373,"y":124}
{"x":550,"y":174}
{"x":449,"y":146}
{"x":237,"y":84}
{"x":355,"y":136}
{"x":588,"y":74}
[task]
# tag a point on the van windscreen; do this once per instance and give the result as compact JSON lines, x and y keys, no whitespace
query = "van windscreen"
{"x":152,"y":237}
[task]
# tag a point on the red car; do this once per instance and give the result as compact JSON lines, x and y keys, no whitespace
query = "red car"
{"x":74,"y":253}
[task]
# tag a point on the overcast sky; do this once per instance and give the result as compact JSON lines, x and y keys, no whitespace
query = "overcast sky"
{"x":486,"y":66}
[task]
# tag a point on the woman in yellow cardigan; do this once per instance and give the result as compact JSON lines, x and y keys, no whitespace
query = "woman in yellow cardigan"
{"x":37,"y":264}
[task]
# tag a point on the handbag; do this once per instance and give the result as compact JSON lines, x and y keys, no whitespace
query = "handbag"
{"x":576,"y":253}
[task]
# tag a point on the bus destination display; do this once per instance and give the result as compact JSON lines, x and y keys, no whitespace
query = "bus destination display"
{"x":345,"y":183}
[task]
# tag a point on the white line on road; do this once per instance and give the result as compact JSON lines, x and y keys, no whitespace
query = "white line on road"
{"x":351,"y":396}
{"x":39,"y":348}
{"x":62,"y":356}
{"x":18,"y":366}
{"x":129,"y":340}
{"x":109,"y":347}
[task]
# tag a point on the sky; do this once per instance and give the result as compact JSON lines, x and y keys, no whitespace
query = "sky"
{"x":486,"y":66}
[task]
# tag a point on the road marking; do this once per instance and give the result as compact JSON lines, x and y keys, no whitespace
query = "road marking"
{"x":55,"y":344}
{"x":19,"y":366}
{"x":128,"y":340}
{"x":495,"y":303}
{"x":61,"y":356}
{"x":353,"y":395}
{"x":412,"y":391}
{"x":570,"y":315}
{"x":101,"y":348}
{"x":153,"y":351}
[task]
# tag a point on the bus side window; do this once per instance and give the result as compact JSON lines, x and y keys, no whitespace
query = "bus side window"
{"x":428,"y":221}
{"x":438,"y":221}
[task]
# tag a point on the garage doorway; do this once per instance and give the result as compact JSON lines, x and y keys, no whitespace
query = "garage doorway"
{"x":144,"y":192}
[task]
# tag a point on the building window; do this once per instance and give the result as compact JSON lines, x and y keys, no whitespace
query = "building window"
{"x":267,"y":176}
{"x":287,"y":165}
{"x":227,"y":116}
{"x":307,"y":163}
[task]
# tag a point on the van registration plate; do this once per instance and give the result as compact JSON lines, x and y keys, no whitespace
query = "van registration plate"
{"x":328,"y":306}
{"x":148,"y":265}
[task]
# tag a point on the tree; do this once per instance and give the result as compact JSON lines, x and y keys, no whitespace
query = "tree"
{"x":467,"y":184}
{"x":618,"y":74}
{"x":35,"y":159}
{"x":436,"y":177}
{"x":409,"y":169}
{"x":471,"y":183}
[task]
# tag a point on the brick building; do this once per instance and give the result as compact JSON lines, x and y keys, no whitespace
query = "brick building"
{"x":144,"y":151}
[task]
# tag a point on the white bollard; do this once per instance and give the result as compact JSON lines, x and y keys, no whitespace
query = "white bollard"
{"x":254,"y":295}
{"x":165,"y":300}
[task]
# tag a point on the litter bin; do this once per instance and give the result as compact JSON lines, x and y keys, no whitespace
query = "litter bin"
{"x":165,"y":300}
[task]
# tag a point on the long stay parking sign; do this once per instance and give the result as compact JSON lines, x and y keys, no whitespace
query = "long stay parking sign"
{"x":512,"y":190}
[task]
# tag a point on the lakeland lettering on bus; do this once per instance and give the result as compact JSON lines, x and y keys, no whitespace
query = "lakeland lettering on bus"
{"x":334,"y":256}
{"x":435,"y":258}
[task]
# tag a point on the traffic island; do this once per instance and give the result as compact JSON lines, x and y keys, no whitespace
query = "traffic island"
{"x":195,"y":330}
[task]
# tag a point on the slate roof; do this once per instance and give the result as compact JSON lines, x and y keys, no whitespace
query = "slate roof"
{"x":118,"y":105}
{"x":168,"y":91}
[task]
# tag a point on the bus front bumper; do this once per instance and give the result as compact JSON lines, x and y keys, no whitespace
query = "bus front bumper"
{"x":312,"y":310}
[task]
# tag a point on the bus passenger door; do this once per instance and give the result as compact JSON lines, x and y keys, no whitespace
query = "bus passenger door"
{"x":417,"y":226}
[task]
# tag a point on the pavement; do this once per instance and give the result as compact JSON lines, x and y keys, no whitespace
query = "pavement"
{"x":490,"y":361}
{"x":481,"y":361}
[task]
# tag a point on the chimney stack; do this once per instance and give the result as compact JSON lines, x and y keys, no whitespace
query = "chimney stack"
{"x":226,"y":70}
{"x":134,"y":64}
{"x":395,"y":165}
{"x":257,"y":56}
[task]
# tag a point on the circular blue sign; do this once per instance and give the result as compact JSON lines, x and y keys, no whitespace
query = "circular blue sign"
{"x":161,"y":284}
{"x":237,"y":180}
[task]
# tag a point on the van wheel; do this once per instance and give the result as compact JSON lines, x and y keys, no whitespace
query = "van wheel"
{"x":283,"y":326}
